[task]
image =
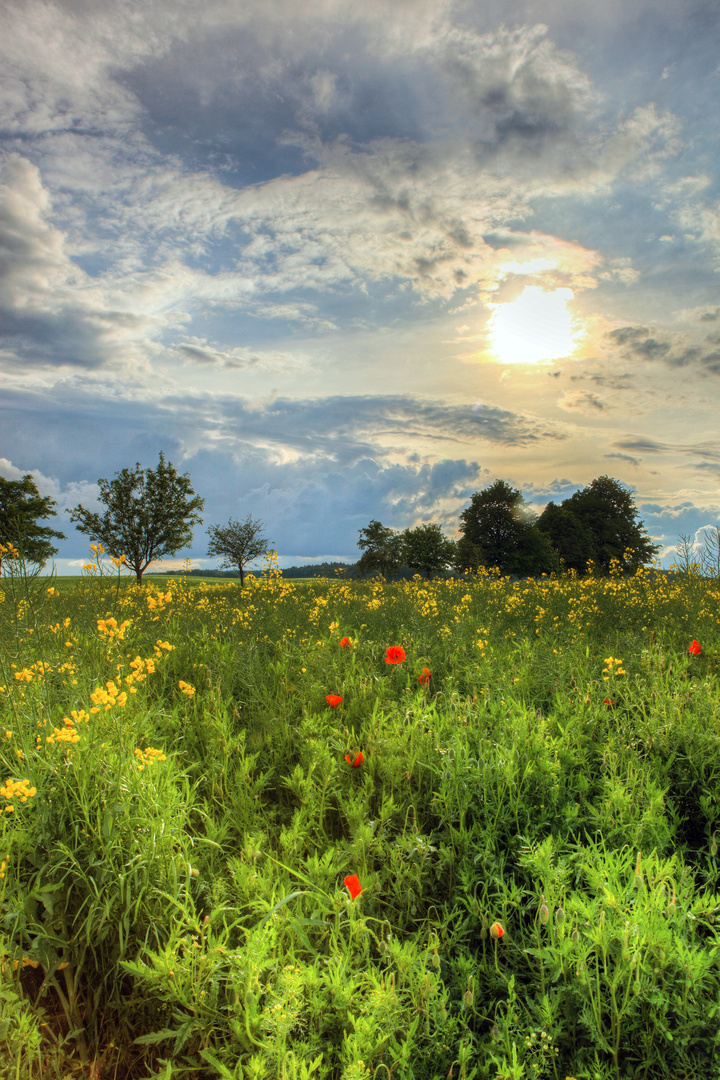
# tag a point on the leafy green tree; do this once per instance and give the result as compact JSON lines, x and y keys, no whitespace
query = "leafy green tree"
{"x":21,"y":510}
{"x":239,"y":542}
{"x":382,"y":550}
{"x":570,"y":538}
{"x":427,"y":550}
{"x":150,"y":513}
{"x":607,"y":511}
{"x":502,"y":528}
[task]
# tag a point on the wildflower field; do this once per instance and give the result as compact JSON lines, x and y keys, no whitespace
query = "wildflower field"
{"x":452,"y":829}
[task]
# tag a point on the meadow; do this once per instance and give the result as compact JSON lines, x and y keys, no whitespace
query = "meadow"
{"x":351,"y":830}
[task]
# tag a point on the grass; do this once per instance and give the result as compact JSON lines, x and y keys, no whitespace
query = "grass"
{"x":534,"y":829}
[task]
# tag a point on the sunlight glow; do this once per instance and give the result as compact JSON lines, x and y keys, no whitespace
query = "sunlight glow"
{"x":537,"y":326}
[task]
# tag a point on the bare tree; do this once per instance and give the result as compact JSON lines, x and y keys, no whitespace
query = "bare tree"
{"x":687,"y":560}
{"x":710,"y":553}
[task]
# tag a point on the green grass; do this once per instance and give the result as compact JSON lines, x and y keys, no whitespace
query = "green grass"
{"x":173,"y":900}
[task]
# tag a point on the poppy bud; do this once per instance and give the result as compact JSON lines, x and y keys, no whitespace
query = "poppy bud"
{"x":713,"y":845}
{"x":574,"y":937}
{"x":559,"y":917}
{"x":496,"y":931}
{"x":544,"y":912}
{"x":468,"y":999}
{"x":435,"y":960}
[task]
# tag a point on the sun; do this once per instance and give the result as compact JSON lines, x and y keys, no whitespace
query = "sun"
{"x":536,"y":327}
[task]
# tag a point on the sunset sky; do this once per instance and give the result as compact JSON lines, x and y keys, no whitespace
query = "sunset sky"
{"x":345,"y":260}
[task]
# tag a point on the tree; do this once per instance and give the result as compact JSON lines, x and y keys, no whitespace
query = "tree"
{"x":499,"y":528}
{"x":382,"y":550}
{"x":239,"y":542}
{"x":427,"y":550}
{"x":570,"y":538}
{"x":21,"y":509}
{"x":607,"y":511}
{"x":150,"y":513}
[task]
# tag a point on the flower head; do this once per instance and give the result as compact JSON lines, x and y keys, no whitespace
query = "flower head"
{"x":424,"y":676}
{"x":358,"y":759}
{"x":333,"y":700}
{"x":496,"y":931}
{"x":694,"y":649}
{"x":608,"y":701}
{"x":352,"y":881}
{"x":346,"y":643}
{"x":395,"y":654}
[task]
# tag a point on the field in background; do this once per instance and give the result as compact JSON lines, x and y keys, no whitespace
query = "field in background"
{"x":527,"y":799}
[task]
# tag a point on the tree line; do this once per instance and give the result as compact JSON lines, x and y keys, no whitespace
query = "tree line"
{"x":499,"y":530}
{"x":150,"y":513}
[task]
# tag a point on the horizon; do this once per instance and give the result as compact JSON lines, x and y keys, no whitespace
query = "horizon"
{"x":350,"y":262}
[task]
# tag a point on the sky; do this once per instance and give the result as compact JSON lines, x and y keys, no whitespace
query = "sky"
{"x":346,"y":261}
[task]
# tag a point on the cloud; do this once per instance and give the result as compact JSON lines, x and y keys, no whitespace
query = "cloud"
{"x":199,"y":351}
{"x":581,"y":401}
{"x":624,"y":457}
{"x":676,"y":350}
{"x":65,"y":495}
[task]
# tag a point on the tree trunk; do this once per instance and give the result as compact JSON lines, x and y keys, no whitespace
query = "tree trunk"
{"x":242,"y":576}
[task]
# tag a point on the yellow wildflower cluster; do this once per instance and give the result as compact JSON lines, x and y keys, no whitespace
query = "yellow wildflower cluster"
{"x":13,"y":790}
{"x":40,"y":668}
{"x":614,"y":667}
{"x":110,"y":629}
{"x":68,"y":733}
{"x":140,"y":671}
{"x":186,"y":688}
{"x":108,"y":696}
{"x":3,"y":868}
{"x":148,"y":756}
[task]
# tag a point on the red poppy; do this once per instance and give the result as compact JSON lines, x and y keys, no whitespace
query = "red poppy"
{"x":353,"y":883}
{"x":346,"y":643}
{"x":395,"y":654}
{"x":608,"y":701}
{"x":333,"y":700}
{"x":496,"y":930}
{"x":695,"y":649}
{"x":358,"y":759}
{"x":424,"y":678}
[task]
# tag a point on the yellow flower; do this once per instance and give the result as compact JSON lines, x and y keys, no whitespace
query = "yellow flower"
{"x":186,"y":688}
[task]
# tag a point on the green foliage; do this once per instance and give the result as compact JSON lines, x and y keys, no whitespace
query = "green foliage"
{"x":172,"y":897}
{"x":598,"y":523}
{"x":21,"y":510}
{"x":382,"y":550}
{"x":499,"y":528}
{"x":150,"y":513}
{"x":240,"y":542}
{"x":427,"y":550}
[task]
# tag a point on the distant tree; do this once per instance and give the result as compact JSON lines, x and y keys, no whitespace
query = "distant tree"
{"x":239,"y":542}
{"x":570,"y":538}
{"x":501,"y":528}
{"x":607,"y":511}
{"x":150,"y":513}
{"x":21,"y":510}
{"x":382,"y":550}
{"x":427,"y":550}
